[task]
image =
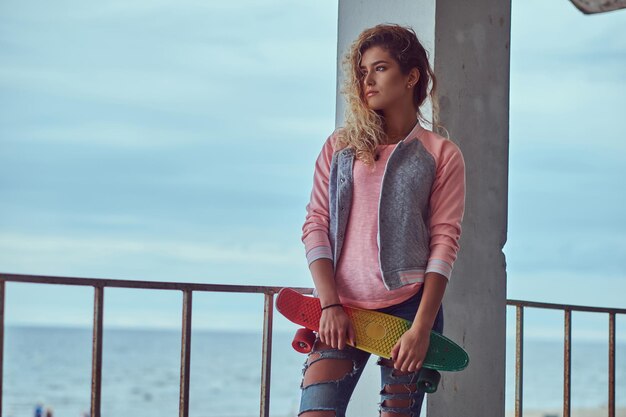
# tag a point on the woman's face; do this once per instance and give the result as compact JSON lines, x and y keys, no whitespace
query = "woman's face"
{"x":384,"y":86}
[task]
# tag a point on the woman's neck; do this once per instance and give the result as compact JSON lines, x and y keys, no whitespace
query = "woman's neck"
{"x":397,"y":126}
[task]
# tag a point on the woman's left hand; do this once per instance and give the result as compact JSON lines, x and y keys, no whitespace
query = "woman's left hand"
{"x":409,"y":352}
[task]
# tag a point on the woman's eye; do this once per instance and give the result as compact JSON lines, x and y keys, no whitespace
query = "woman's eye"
{"x":364,"y":72}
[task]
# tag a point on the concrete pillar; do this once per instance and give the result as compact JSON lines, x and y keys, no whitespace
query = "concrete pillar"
{"x":469,"y":46}
{"x":472,"y":65}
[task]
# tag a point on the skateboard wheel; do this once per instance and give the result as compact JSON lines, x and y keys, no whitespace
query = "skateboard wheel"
{"x":428,"y":380}
{"x":303,"y":340}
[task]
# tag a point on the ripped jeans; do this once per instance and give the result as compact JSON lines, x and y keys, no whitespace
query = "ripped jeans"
{"x":334,"y":395}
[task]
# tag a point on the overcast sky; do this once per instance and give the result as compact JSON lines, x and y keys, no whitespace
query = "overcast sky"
{"x":175,"y":141}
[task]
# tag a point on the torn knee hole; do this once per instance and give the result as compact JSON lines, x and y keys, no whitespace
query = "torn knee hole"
{"x":402,"y":391}
{"x":321,"y":371}
{"x":313,"y":357}
{"x":404,"y":403}
{"x":318,"y":353}
{"x":399,"y":388}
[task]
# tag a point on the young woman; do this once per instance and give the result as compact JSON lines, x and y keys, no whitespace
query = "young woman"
{"x":383,"y":223}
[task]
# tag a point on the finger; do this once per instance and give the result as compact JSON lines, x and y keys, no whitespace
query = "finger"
{"x":347,"y":335}
{"x":406,"y":363}
{"x":412,"y":367}
{"x":341,"y":340}
{"x":352,"y":335}
{"x":394,"y":351}
{"x":403,"y":363}
{"x":327,"y":338}
{"x":333,"y":339}
{"x":398,"y":362}
{"x":401,"y":359}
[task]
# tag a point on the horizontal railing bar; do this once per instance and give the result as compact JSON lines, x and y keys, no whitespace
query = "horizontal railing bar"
{"x":566,"y":307}
{"x":154,"y":285}
{"x":187,"y":286}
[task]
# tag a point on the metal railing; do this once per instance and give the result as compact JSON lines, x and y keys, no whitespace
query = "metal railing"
{"x":266,"y":355}
{"x":185,"y":354}
{"x":567,"y":350}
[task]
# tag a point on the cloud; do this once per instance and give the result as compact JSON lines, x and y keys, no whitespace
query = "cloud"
{"x":566,"y":78}
{"x":22,"y":248}
{"x":189,"y":57}
{"x":228,"y":82}
{"x":113,"y":134}
{"x":298,"y":126}
{"x":145,"y":87}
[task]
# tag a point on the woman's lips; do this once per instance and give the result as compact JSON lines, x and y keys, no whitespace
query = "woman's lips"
{"x":371,"y":93}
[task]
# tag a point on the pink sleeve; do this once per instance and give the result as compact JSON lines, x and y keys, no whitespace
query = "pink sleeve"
{"x":447,"y":205}
{"x":316,"y":224}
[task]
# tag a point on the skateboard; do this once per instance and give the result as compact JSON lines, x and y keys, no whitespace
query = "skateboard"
{"x":375,"y":332}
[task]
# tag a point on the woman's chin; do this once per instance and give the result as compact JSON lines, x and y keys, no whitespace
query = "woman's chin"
{"x":375,"y":103}
{"x":374,"y":106}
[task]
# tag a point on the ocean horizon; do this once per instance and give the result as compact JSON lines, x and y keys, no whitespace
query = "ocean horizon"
{"x":51,"y":366}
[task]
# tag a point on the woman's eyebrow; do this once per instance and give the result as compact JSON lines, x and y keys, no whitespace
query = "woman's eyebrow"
{"x":376,"y":63}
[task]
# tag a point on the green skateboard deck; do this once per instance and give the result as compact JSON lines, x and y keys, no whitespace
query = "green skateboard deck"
{"x":376,"y":333}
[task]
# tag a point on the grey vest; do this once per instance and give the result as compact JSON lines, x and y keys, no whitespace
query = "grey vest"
{"x":403,"y":210}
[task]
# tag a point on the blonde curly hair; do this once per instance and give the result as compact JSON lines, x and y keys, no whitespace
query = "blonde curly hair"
{"x":364,"y":128}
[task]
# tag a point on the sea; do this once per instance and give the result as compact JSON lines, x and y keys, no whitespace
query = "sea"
{"x":51,"y":366}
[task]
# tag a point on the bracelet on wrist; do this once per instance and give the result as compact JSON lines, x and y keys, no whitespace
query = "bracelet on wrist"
{"x":332,"y":305}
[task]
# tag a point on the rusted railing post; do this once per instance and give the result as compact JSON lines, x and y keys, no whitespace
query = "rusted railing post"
{"x":96,"y":352}
{"x":266,"y":367}
{"x":2,"y":287}
{"x":185,"y":355}
{"x":611,"y":364}
{"x":519,"y":360}
{"x":567,"y":363}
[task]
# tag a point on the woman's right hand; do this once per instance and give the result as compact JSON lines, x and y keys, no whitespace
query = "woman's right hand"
{"x":335,"y":328}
